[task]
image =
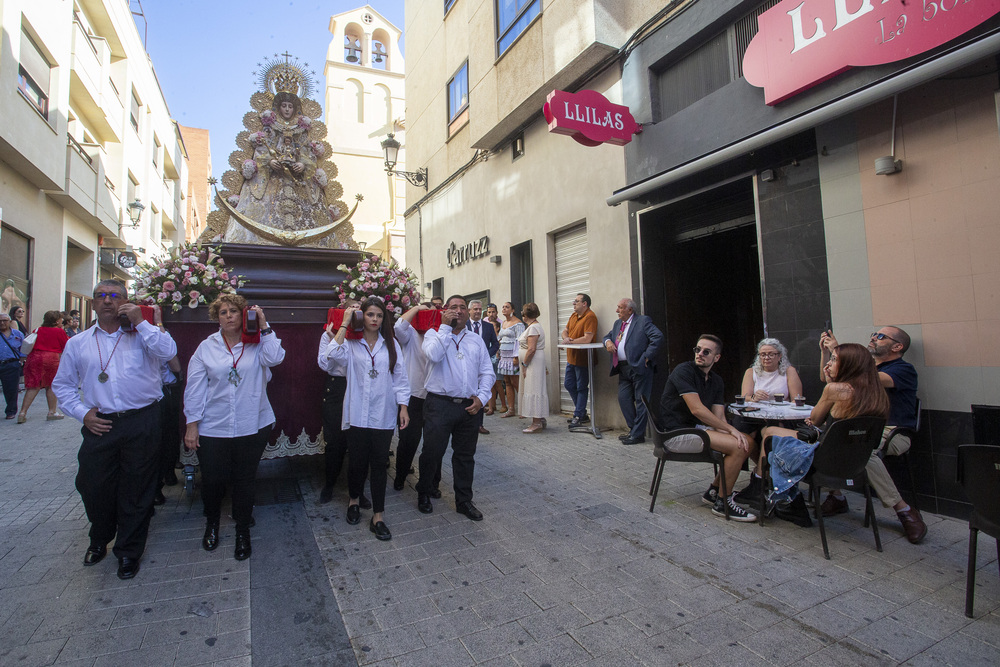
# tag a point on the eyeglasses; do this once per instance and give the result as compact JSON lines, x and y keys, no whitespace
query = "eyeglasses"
{"x":769,"y":355}
{"x":880,"y":336}
{"x":704,"y":350}
{"x":107,"y":295}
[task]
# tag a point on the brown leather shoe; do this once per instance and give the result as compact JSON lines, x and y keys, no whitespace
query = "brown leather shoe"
{"x":834,"y":505}
{"x":913,"y":525}
{"x":483,"y":430}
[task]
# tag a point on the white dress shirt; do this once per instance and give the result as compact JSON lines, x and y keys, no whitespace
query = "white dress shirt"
{"x":325,"y":361}
{"x":222,"y":409}
{"x":371,"y":402}
{"x":412,"y":342}
{"x":133,"y":370}
{"x":627,"y":324}
{"x":472,"y":375}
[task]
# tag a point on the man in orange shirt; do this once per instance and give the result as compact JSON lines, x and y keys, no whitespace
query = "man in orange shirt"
{"x":581,"y":328}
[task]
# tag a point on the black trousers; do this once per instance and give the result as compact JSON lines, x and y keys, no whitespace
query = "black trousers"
{"x":10,"y":375}
{"x":444,"y":419}
{"x":409,"y":440}
{"x":233,"y":461}
{"x":369,"y":449}
{"x":117,"y":479}
{"x":170,"y":429}
{"x":336,"y":439}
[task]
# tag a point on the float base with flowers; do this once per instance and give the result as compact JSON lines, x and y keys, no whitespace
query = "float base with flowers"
{"x":296,"y":287}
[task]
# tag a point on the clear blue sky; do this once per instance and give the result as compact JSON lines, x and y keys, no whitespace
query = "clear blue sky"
{"x":205,"y":54}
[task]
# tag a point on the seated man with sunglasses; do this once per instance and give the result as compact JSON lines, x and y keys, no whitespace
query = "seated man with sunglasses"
{"x":899,"y":378}
{"x":694,"y":397}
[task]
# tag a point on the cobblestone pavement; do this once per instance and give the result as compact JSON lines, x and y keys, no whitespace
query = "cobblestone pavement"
{"x":568,"y":568}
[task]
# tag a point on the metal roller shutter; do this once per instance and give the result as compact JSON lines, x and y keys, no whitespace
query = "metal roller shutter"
{"x":572,"y":278}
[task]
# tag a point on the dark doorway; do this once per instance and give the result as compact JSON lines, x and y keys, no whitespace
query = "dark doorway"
{"x":701,"y":274}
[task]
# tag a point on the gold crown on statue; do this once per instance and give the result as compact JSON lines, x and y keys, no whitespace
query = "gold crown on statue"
{"x":283,"y":74}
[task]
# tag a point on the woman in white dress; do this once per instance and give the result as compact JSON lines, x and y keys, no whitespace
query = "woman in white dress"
{"x":531,"y":354}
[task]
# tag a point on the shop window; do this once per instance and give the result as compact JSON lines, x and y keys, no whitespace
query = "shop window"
{"x":33,"y":75}
{"x":15,"y":269}
{"x":458,"y":98}
{"x":437,"y":288}
{"x":522,"y":282}
{"x":513,"y":18}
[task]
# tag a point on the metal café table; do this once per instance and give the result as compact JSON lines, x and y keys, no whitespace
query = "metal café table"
{"x":770,"y":412}
{"x":590,"y":348}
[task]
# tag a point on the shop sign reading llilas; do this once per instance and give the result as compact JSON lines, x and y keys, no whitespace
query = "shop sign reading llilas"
{"x":801,"y":43}
{"x":589,"y":118}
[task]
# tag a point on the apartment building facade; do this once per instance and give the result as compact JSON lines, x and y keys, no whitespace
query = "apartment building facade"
{"x":93,"y":168}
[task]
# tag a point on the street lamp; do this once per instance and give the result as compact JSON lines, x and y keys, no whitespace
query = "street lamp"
{"x":135,"y":210}
{"x":390,"y":147}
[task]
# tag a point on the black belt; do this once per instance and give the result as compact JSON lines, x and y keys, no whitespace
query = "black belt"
{"x":8,"y":361}
{"x":450,"y":399}
{"x":125,"y":413}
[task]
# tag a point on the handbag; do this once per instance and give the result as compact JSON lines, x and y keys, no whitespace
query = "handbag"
{"x":28,"y":343}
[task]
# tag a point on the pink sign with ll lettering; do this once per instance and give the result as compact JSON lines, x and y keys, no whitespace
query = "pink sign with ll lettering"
{"x":801,"y":43}
{"x":589,"y":117}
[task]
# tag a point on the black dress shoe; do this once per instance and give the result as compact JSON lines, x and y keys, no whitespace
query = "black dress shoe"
{"x":353,"y":514}
{"x":398,"y":484}
{"x":364,"y":502}
{"x":211,"y":539}
{"x":424,"y":503}
{"x":633,"y":441}
{"x":326,"y":495}
{"x":624,"y":436}
{"x":469,"y":510}
{"x":170,"y":479}
{"x":95,"y":554}
{"x":242,"y":550}
{"x":380,"y":529}
{"x":127,"y":567}
{"x":436,"y":494}
{"x":159,"y":498}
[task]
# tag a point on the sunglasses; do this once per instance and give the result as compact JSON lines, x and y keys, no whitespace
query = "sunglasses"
{"x":882,"y":336}
{"x":704,"y":350}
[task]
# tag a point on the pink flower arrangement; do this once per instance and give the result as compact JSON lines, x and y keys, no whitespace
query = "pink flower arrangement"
{"x":191,"y":275}
{"x":386,"y":280}
{"x":305,"y":122}
{"x":268,"y":117}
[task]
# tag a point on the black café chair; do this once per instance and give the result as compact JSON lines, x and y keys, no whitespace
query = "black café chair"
{"x":660,"y":437}
{"x":839,"y":462}
{"x":911,"y":433}
{"x":979,"y":475}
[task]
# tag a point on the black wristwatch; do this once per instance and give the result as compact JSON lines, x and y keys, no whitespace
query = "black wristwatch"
{"x":264,"y":332}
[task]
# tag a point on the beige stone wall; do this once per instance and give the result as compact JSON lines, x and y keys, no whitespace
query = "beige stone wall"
{"x":918,"y":248}
{"x":199,"y":192}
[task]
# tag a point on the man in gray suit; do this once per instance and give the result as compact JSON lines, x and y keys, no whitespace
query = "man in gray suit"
{"x":633,"y":342}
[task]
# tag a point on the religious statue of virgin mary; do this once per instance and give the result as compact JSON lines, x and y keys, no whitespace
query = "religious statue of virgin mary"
{"x":281,"y":190}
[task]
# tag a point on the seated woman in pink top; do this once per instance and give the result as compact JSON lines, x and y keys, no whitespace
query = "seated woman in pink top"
{"x":42,"y":364}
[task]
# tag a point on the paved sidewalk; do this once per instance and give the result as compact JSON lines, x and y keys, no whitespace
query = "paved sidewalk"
{"x":568,"y":568}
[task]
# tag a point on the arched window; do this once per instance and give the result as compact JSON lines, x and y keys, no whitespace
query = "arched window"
{"x":387,"y":101}
{"x":360,"y":92}
{"x":353,"y":52}
{"x":380,"y":50}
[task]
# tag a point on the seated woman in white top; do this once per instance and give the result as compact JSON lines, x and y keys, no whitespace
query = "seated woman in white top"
{"x":377,"y":387}
{"x":771,"y":373}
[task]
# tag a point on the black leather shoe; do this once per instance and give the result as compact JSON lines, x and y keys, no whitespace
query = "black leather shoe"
{"x":469,"y":510}
{"x":95,"y":554}
{"x":353,"y":514}
{"x":624,"y":436}
{"x":326,"y":495}
{"x":127,"y":567}
{"x":380,"y":529}
{"x":633,"y":441}
{"x":159,"y":498}
{"x":364,"y":502}
{"x":424,"y":503}
{"x":436,"y":494}
{"x":211,"y":539}
{"x":398,"y":484}
{"x":242,"y":550}
{"x":170,"y":479}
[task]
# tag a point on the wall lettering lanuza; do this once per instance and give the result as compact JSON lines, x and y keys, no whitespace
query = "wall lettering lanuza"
{"x":458,"y":255}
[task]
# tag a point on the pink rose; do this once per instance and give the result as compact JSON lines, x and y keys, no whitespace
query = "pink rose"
{"x":194,"y":294}
{"x":169,"y":286}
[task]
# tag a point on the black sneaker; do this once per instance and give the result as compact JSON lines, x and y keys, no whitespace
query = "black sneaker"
{"x":736,"y":513}
{"x":750,"y":494}
{"x":794,"y":511}
{"x":710,"y":496}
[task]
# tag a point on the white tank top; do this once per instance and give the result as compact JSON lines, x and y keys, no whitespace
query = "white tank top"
{"x":772,"y":382}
